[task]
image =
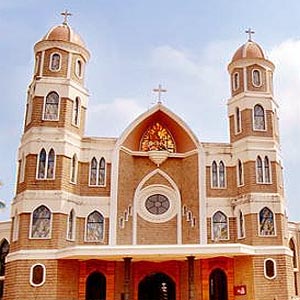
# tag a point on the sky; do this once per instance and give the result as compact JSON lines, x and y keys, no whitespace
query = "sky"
{"x":136,"y":45}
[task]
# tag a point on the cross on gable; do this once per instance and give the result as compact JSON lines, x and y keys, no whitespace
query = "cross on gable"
{"x":66,"y":14}
{"x":249,"y":31}
{"x":159,"y":90}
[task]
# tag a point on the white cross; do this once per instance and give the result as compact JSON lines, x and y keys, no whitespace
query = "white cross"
{"x":159,"y":90}
{"x":250,"y":32}
{"x":66,"y":14}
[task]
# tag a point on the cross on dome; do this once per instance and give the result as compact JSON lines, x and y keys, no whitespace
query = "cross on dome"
{"x":159,"y":90}
{"x":249,"y":31}
{"x":66,"y":14}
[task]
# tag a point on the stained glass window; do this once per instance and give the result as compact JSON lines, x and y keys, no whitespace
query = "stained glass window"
{"x":238,"y":119}
{"x":94,"y":227}
{"x":267,"y":170}
{"x":241,"y":225}
{"x":157,"y":204}
{"x":259,"y":170}
{"x":214,"y":170}
{"x":93,"y":172}
{"x":51,"y":106}
{"x":42,"y":164}
{"x":240,"y":173}
{"x":41,"y":222}
{"x":220,"y":226}
{"x":158,"y":138}
{"x":51,"y":162}
{"x":259,"y":118}
{"x":55,"y":62}
{"x":76,"y":107}
{"x":221,"y":175}
{"x":74,"y":168}
{"x":102,"y":171}
{"x":266,"y":222}
{"x":71,"y":223}
{"x":256,"y":78}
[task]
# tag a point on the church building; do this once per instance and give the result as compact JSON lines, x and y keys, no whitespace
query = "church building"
{"x":154,"y":214}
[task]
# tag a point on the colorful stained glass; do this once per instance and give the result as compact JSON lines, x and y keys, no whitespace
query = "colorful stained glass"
{"x":266,"y":222}
{"x":94,"y":227}
{"x":157,"y":138}
{"x":220,"y":226}
{"x":41,"y":221}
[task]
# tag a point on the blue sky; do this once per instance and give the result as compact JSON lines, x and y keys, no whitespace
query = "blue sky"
{"x":135,"y":45}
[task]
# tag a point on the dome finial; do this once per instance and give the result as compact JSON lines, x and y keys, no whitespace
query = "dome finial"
{"x":66,"y":14}
{"x":249,"y":31}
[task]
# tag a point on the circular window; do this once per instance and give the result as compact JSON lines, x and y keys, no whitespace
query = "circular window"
{"x":157,"y":204}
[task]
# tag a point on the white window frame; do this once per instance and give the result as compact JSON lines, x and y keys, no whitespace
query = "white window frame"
{"x":75,"y":169}
{"x":235,"y":87}
{"x":77,"y":73}
{"x":238,"y":174}
{"x":50,"y":62}
{"x":274,"y":220}
{"x":260,"y":77}
{"x":275,"y":268}
{"x":79,"y":111}
{"x":46,"y":165}
{"x":31,"y":275}
{"x":85,"y":228}
{"x":218,"y":186}
{"x":31,"y":221}
{"x":97,"y":172}
{"x":263,"y":170}
{"x":212,"y":227}
{"x":237,"y":121}
{"x":239,"y":225}
{"x":58,"y":107}
{"x":73,"y":226}
{"x":253,"y":118}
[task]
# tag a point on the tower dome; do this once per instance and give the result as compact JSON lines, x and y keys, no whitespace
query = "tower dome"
{"x":249,"y":50}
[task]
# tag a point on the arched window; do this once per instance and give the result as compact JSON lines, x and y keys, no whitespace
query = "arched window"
{"x":55,"y":62}
{"x":266,"y":222}
{"x":4,"y":249}
{"x":236,"y":81}
{"x":46,"y":162}
{"x":51,"y":107}
{"x":221,"y":174}
{"x":256,"y":78}
{"x":259,"y":170}
{"x":37,"y":275}
{"x":102,"y":171}
{"x":74,"y":165}
{"x":50,"y":166}
{"x":214,"y":173}
{"x":41,"y":223}
{"x":78,"y":68}
{"x":270,"y":268}
{"x":241,"y":225}
{"x":71,"y":225}
{"x":238,"y":124}
{"x":295,"y":265}
{"x":76,"y":109}
{"x":94,"y":227}
{"x":267,"y":174}
{"x":240,"y":173}
{"x":93,"y":171}
{"x":220,"y":226}
{"x":259,"y":118}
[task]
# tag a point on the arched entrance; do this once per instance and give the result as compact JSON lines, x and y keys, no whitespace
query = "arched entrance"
{"x":218,"y":285}
{"x":95,"y":287}
{"x":157,"y":286}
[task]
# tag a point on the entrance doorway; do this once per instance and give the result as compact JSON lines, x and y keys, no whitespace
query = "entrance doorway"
{"x":95,"y":287}
{"x":157,"y":286}
{"x":218,"y":285}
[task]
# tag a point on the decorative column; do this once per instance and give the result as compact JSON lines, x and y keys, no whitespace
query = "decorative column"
{"x":127,"y":264}
{"x":191,"y":280}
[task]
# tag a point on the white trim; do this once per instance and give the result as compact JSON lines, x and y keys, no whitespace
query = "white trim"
{"x":70,"y":55}
{"x":31,"y":275}
{"x":263,"y":170}
{"x":46,"y":164}
{"x":260,"y":78}
{"x":50,"y":62}
{"x":42,"y":63}
{"x":275,"y":268}
{"x":37,"y":63}
{"x":16,"y":226}
{"x":148,"y":252}
{"x":235,"y":86}
{"x":31,"y":220}
{"x":79,"y":75}
{"x":202,"y":195}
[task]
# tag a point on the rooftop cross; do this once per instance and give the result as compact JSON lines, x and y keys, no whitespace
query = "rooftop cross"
{"x":250,"y":32}
{"x":66,"y":14}
{"x":159,"y":90}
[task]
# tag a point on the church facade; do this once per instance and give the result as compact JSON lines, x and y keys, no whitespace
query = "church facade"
{"x":154,"y":214}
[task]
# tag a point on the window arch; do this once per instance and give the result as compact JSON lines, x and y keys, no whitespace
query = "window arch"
{"x":97,"y":172}
{"x":293,"y":249}
{"x":94,"y":227}
{"x":221,"y":174}
{"x":259,"y":170}
{"x":37,"y":275}
{"x":266,"y":222}
{"x":76,"y":111}
{"x":71,"y":225}
{"x":55,"y":62}
{"x":236,"y":81}
{"x":214,"y":170}
{"x":46,"y":164}
{"x":263,"y":174}
{"x":238,"y":124}
{"x":267,"y":174}
{"x":259,"y":118}
{"x":78,"y":68}
{"x":241,"y":225}
{"x":51,"y":107}
{"x":74,"y":167}
{"x":220,"y":226}
{"x":270,"y":268}
{"x":256,"y":78}
{"x":240,"y":173}
{"x":41,"y":223}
